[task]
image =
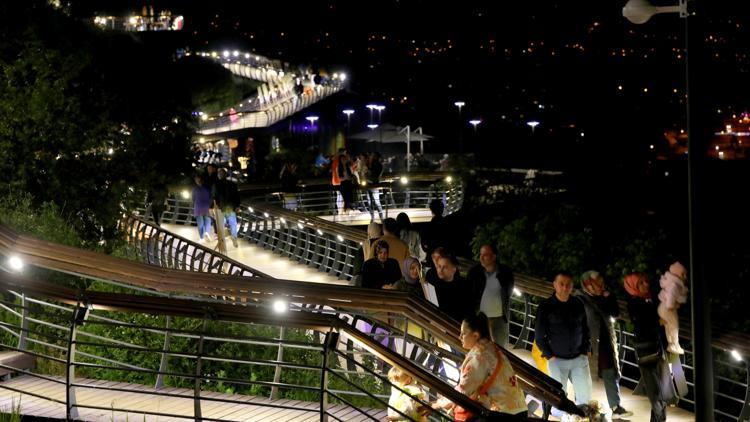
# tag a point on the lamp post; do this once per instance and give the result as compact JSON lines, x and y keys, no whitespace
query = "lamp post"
{"x":380,"y":109}
{"x":532,"y":124}
{"x":371,"y":107}
{"x":312,"y":120}
{"x":460,"y":105}
{"x":639,"y":12}
{"x":475,"y":123}
{"x":348,"y":113}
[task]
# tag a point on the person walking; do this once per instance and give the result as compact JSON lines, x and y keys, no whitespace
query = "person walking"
{"x":649,"y":345}
{"x":201,"y":208}
{"x":602,"y":310}
{"x":226,"y":200}
{"x":492,"y":285}
{"x":562,"y":334}
{"x":410,"y":236}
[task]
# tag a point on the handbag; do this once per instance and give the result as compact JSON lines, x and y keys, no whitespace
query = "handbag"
{"x":462,"y":415}
{"x":648,"y":353}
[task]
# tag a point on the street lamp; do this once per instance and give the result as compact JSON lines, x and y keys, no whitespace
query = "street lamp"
{"x":348,"y":113}
{"x":460,"y":105}
{"x":312,"y":120}
{"x":638,"y":12}
{"x":532,"y":124}
{"x":371,"y":107}
{"x":372,"y":126}
{"x":380,"y":109}
{"x":475,"y":123}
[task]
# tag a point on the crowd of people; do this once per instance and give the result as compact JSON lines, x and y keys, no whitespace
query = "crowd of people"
{"x":575,"y":339}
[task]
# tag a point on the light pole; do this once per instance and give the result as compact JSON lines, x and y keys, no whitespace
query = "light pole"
{"x":639,"y":12}
{"x":312,"y":120}
{"x":475,"y":123}
{"x":380,"y":109}
{"x":460,"y":105}
{"x":371,"y":107}
{"x":532,"y":124}
{"x":348,"y":113}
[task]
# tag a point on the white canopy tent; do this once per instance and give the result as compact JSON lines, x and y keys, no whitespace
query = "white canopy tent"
{"x":389,"y":134}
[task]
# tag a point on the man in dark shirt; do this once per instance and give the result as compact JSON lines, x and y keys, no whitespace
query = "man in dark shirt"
{"x":453,"y":291}
{"x":380,"y":270}
{"x":562,"y":334}
{"x":436,"y":233}
{"x":226,"y":198}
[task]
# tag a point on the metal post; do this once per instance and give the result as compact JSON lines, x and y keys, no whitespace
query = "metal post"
{"x":526,"y":322}
{"x":77,"y":318}
{"x":745,"y":414}
{"x":329,"y":343}
{"x":700,"y":295}
{"x":164,"y":355}
{"x":24,"y":323}
{"x":198,"y":373}
{"x":277,"y":372}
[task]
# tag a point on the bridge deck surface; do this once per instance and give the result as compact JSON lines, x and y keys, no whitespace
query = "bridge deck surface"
{"x":358,"y":218}
{"x":141,"y":398}
{"x":261,"y":259}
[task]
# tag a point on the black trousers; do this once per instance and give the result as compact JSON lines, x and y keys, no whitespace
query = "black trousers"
{"x":657,"y":381}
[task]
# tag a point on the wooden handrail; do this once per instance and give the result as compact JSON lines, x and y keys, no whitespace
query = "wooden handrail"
{"x":225,"y":312}
{"x":104,"y":267}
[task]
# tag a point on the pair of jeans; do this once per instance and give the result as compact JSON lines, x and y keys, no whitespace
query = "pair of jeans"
{"x":204,"y":225}
{"x":231,"y":218}
{"x":577,"y":371}
{"x":499,"y":331}
{"x":611,"y":380}
{"x":373,"y":197}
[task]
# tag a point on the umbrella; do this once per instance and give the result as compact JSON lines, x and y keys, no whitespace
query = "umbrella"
{"x":388,"y":134}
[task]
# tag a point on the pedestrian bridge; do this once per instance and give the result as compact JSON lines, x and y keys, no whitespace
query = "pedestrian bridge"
{"x":285,"y":91}
{"x":200,"y":335}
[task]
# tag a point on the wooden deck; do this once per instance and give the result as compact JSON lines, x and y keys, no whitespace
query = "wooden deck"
{"x":141,"y":399}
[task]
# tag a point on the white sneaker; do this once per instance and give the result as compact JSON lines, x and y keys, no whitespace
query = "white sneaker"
{"x":208,"y":237}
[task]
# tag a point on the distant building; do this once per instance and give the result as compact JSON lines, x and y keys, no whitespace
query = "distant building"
{"x":147,"y":21}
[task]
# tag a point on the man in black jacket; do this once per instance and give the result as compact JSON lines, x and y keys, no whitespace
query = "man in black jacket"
{"x":492,"y":285}
{"x":453,"y":292}
{"x":226,"y":199}
{"x":562,"y":334}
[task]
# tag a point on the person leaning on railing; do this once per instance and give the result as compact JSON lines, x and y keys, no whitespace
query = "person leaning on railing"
{"x":486,"y":373}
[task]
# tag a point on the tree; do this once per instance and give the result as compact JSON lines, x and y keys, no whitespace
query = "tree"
{"x":88,"y":119}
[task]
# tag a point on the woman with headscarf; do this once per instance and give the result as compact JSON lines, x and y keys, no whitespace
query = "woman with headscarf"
{"x":649,"y":345}
{"x":602,"y":310}
{"x":412,"y":274}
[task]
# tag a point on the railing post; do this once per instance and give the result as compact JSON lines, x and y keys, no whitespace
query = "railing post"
{"x":277,"y":372}
{"x":745,"y":414}
{"x":329,"y":344}
{"x":525,"y":327}
{"x":164,"y":355}
{"x":198,"y":374}
{"x":80,"y":313}
{"x":24,"y":323}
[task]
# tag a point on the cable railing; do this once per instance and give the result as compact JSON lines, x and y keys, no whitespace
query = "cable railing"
{"x":409,"y":326}
{"x":281,"y":231}
{"x":72,"y":315}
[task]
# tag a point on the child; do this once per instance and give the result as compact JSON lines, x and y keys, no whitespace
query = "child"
{"x":402,"y":401}
{"x":673,"y":293}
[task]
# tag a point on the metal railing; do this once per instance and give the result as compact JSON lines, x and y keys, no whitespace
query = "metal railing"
{"x":289,"y":233}
{"x":62,"y":331}
{"x":412,"y":328}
